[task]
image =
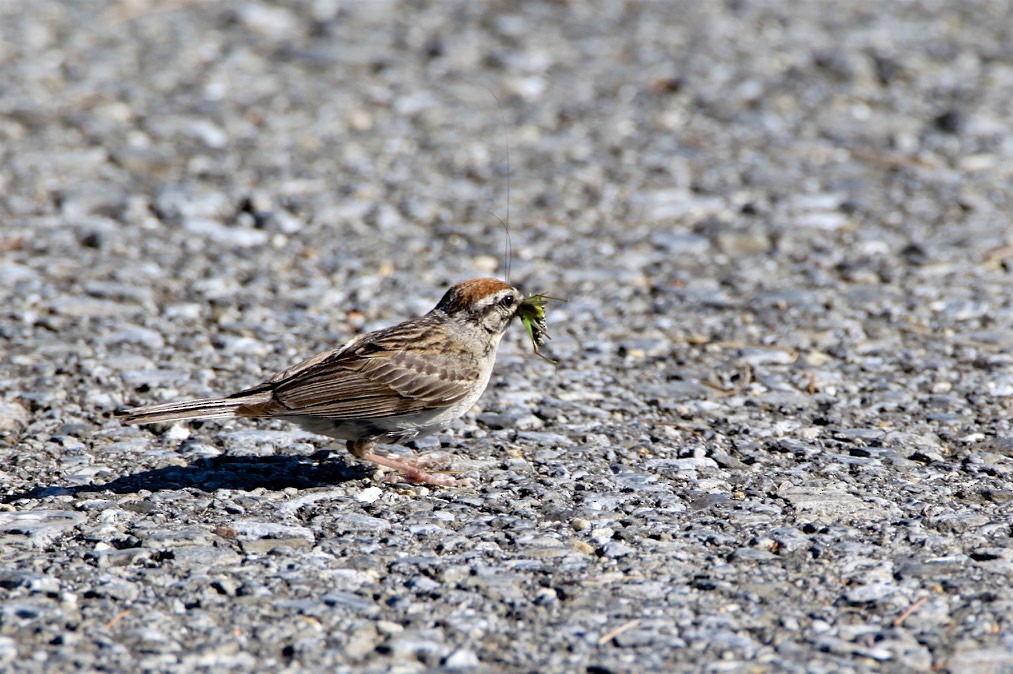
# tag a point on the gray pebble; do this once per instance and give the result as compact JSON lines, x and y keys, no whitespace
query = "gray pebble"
{"x":111,"y":587}
{"x":969,"y":659}
{"x":34,"y":582}
{"x":826,"y":504}
{"x":351,"y":602}
{"x":204,"y":556}
{"x":133,"y":334}
{"x":13,"y":418}
{"x":248,"y":529}
{"x":871,"y":592}
{"x":424,"y":647}
{"x":8,"y":649}
{"x":40,"y":527}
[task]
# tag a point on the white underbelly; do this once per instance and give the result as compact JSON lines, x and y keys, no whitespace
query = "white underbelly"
{"x":384,"y":429}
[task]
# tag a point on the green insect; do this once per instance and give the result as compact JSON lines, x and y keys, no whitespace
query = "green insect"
{"x":532,"y":315}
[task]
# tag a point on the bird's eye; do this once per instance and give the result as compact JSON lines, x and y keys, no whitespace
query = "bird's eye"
{"x":507,"y":301}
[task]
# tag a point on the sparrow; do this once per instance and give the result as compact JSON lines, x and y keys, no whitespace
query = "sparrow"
{"x":387,"y":386}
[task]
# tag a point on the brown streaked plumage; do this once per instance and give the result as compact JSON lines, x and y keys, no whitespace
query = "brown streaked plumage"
{"x":390,"y":385}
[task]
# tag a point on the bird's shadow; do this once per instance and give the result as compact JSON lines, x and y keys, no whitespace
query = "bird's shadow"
{"x":243,"y":473}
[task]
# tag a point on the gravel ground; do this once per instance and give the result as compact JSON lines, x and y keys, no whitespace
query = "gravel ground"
{"x":778,"y":438}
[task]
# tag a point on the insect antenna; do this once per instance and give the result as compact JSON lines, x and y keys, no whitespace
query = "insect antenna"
{"x":508,"y":245}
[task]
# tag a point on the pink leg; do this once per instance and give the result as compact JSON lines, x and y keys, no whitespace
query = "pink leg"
{"x":412,"y":468}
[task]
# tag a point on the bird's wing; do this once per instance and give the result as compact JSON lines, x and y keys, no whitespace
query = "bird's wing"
{"x":371,"y":377}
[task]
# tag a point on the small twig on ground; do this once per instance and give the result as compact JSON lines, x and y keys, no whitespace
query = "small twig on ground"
{"x":116,"y":619}
{"x":907,"y":614}
{"x":612,"y":634}
{"x":997,"y":254}
{"x":811,"y":387}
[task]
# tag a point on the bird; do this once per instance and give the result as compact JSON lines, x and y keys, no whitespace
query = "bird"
{"x":388,"y":386}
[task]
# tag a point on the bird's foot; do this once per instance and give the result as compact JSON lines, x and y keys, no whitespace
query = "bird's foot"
{"x":416,"y":468}
{"x":425,"y":468}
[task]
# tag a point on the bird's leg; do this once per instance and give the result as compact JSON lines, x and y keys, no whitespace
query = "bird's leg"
{"x":413,"y":468}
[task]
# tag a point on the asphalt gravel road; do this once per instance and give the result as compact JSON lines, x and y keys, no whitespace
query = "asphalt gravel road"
{"x":778,"y":436}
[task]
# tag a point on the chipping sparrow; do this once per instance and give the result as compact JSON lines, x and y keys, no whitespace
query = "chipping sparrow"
{"x":391,"y":385}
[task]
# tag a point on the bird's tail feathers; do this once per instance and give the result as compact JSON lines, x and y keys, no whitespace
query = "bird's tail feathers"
{"x":204,"y":408}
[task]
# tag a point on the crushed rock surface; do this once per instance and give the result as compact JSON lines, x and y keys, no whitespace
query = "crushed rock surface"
{"x":778,"y":436}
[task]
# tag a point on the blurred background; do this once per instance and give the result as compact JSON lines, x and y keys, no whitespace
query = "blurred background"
{"x":256,"y":169}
